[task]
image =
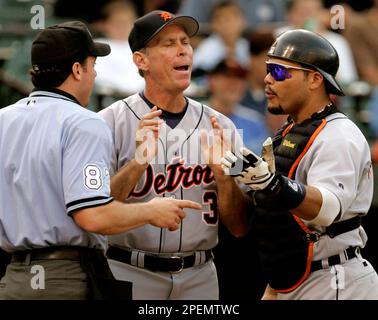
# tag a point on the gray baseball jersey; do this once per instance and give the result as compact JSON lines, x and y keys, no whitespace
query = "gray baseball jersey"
{"x":55,"y":157}
{"x":339,"y":160}
{"x":165,"y":177}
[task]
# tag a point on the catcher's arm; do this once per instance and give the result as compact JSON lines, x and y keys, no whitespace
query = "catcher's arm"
{"x":274,"y":191}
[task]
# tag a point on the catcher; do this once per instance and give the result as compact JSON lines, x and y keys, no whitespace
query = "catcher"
{"x":310,"y":195}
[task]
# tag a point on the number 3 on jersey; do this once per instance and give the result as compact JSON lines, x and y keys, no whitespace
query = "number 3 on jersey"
{"x":92,"y":177}
{"x":210,"y":217}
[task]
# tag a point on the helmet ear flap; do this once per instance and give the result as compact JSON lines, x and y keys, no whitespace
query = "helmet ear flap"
{"x":329,"y":88}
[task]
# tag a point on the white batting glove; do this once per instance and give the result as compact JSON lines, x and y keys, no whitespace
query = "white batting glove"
{"x":249,"y":169}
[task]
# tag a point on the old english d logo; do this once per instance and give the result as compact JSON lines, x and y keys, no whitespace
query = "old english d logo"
{"x":166,"y":15}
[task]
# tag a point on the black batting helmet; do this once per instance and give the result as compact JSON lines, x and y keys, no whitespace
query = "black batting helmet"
{"x":310,"y":50}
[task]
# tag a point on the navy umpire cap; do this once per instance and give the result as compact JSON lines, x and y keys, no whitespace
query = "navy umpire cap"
{"x":65,"y":43}
{"x":148,"y":26}
{"x":310,"y":50}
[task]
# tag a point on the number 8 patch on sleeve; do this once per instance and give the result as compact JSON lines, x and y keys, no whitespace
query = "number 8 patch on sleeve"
{"x":92,"y":177}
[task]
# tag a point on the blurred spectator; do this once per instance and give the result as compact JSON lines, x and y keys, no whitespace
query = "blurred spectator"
{"x":361,"y":29}
{"x":117,"y":72}
{"x":311,"y":15}
{"x":254,"y":96}
{"x":227,"y":24}
{"x":145,"y":6}
{"x":257,"y":12}
{"x":85,"y":10}
{"x":227,"y":82}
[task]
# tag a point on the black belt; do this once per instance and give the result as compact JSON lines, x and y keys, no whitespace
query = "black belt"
{"x":49,"y":253}
{"x":334,"y":260}
{"x":158,"y":263}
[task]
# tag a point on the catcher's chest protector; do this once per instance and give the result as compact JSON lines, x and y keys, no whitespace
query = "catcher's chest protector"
{"x":285,"y":244}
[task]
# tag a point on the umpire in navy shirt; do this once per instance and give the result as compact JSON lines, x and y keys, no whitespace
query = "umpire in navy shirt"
{"x":55,"y":202}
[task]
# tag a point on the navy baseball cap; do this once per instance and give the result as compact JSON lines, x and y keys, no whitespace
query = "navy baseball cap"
{"x":64,"y":43}
{"x":148,"y":26}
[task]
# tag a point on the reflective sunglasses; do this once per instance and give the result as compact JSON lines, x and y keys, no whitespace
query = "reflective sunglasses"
{"x":280,"y":72}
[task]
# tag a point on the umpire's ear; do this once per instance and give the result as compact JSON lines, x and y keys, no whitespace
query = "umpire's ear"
{"x":77,"y":70}
{"x":141,"y":60}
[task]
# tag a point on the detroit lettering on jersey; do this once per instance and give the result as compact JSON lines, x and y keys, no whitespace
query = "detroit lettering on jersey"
{"x":177,"y":175}
{"x":190,"y":180}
